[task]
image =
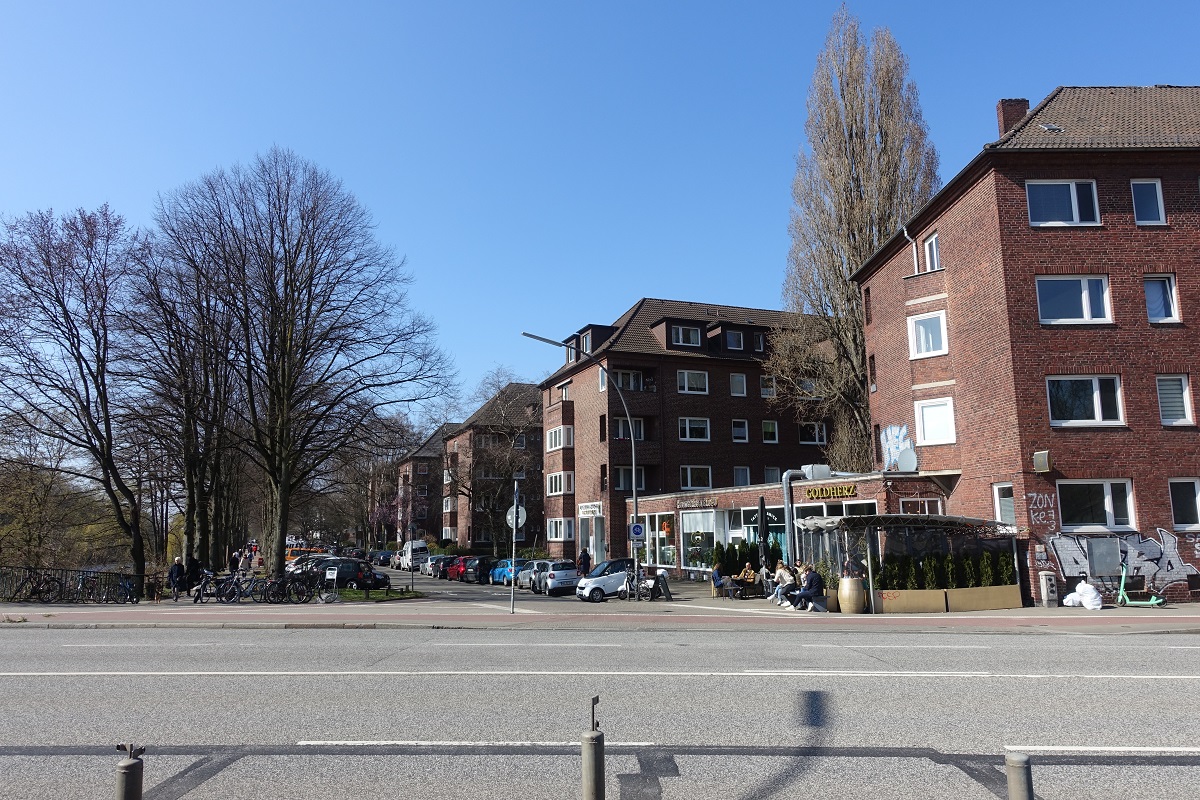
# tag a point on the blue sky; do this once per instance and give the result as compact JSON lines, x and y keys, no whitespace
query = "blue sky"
{"x":541,"y":165}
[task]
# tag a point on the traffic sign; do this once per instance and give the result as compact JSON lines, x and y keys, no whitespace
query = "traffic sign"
{"x":637,"y":531}
{"x":519,"y":517}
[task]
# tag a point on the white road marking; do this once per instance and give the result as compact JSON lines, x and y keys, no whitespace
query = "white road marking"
{"x":1051,"y":748}
{"x":398,"y":743}
{"x":505,"y":609}
{"x":814,"y":673}
{"x":521,"y":644}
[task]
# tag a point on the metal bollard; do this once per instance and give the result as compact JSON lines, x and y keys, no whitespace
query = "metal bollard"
{"x":593,"y":759}
{"x":1020,"y":777}
{"x":129,"y":773}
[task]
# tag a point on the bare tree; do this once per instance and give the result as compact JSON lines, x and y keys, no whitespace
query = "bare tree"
{"x":868,"y":167}
{"x":64,"y":283}
{"x":324,"y":336}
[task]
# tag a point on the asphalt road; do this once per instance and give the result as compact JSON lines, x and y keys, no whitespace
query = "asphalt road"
{"x":723,"y":713}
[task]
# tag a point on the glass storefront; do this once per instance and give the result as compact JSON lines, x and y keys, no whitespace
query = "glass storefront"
{"x":698,"y":533}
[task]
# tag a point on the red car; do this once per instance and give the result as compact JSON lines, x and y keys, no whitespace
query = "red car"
{"x":458,"y":565}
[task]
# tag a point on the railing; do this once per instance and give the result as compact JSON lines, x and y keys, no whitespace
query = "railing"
{"x":38,"y":585}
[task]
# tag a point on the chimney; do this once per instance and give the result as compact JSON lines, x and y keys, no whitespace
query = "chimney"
{"x":1009,"y":113}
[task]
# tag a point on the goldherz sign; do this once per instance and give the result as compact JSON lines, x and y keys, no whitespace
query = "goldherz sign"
{"x":830,"y":492}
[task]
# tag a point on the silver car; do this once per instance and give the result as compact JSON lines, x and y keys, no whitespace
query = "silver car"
{"x":525,"y":576}
{"x":558,"y":576}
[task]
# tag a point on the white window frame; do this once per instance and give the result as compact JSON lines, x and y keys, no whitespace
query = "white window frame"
{"x":683,"y":384}
{"x":735,"y":340}
{"x":1172,"y":292}
{"x":997,"y":508}
{"x":689,"y":471}
{"x":745,"y":426}
{"x":933,"y":259}
{"x":686,"y":431}
{"x":446,"y":476}
{"x":621,"y":429}
{"x":743,"y":473}
{"x":760,"y":342}
{"x":1097,"y":403}
{"x":422,"y":490}
{"x":447,"y":505}
{"x":1158,"y":195}
{"x":766,"y":385}
{"x":561,"y":437}
{"x":820,"y":434}
{"x":564,"y":392}
{"x":1074,"y":184}
{"x":1110,"y":523}
{"x":678,"y":337}
{"x":914,"y":340}
{"x":560,"y":483}
{"x":771,"y":475}
{"x":560,"y":529}
{"x":733,"y":380}
{"x":585,"y":342}
{"x":1085,"y":294}
{"x":450,"y":533}
{"x":628,"y":379}
{"x":1195,"y":484}
{"x":770,"y":431}
{"x":1188,"y":418}
{"x":923,"y":438}
{"x":921,"y":505}
{"x":622,"y":479}
{"x":602,"y":379}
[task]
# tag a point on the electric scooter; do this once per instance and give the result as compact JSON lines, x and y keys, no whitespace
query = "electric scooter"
{"x":1155,"y":599}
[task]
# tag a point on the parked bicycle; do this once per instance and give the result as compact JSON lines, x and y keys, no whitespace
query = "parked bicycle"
{"x":38,"y":585}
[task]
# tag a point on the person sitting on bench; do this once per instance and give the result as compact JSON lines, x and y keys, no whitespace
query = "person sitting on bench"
{"x":811,"y":585}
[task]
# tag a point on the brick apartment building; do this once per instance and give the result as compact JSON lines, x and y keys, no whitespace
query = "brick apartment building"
{"x":692,"y":375}
{"x":482,"y":456}
{"x":1033,"y":328}
{"x":421,"y":483}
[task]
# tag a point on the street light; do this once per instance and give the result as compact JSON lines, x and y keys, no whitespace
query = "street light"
{"x":632,"y":441}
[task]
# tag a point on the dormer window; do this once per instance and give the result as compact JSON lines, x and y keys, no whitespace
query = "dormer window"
{"x":685,"y":335}
{"x":585,"y":342}
{"x":733,"y":340}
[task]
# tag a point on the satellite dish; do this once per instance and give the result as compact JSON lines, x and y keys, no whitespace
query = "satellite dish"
{"x":906,"y":460}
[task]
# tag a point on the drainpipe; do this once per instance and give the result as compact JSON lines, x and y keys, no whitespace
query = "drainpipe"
{"x":788,"y":522}
{"x":916,"y":262}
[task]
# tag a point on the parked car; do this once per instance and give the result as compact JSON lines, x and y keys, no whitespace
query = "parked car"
{"x":382,"y":558}
{"x":303,"y":561}
{"x":352,"y":573}
{"x":457,"y":565}
{"x":540,"y":568}
{"x":502,"y":573}
{"x":605,"y":580}
{"x":353,"y":552}
{"x":525,"y":574}
{"x":429,"y":567}
{"x":479,"y":568}
{"x":442,"y":568}
{"x":560,"y":577}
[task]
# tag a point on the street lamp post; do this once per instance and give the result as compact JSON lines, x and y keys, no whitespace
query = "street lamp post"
{"x":632,"y":443}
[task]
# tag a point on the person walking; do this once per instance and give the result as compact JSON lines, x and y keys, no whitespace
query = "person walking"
{"x":245,"y":563}
{"x":585,"y":562}
{"x":176,"y":578}
{"x":235,"y":558}
{"x":192,"y":573}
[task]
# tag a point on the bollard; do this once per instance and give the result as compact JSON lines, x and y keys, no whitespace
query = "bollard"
{"x":129,"y":773}
{"x":1020,"y":777}
{"x":593,"y":759}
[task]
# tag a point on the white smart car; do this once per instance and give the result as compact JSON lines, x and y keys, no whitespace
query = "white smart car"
{"x":605,"y":580}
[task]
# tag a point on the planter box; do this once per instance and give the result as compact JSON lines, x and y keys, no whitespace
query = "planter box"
{"x":831,"y":601}
{"x":983,"y":598}
{"x":910,"y":601}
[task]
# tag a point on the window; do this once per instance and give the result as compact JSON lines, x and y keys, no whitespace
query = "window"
{"x":1174,"y":400}
{"x":1094,"y":505}
{"x":737,"y":384}
{"x":449,"y":533}
{"x":812,"y":433}
{"x":570,"y":353}
{"x":560,"y":530}
{"x":760,"y":342}
{"x":447,"y":505}
{"x":766,"y":385}
{"x":422,"y":490}
{"x":519,"y":474}
{"x":422,"y":469}
{"x":691,"y":477}
{"x":1148,"y":202}
{"x":684,"y":335}
{"x":741,"y":476}
{"x":519,"y":442}
{"x":693,"y":429}
{"x":693,"y":382}
{"x":741,"y":430}
{"x":932,"y":260}
{"x":770,"y":474}
{"x":486,"y":440}
{"x":585,"y":342}
{"x":628,"y":379}
{"x":1084,"y":400}
{"x":1160,"y":298}
{"x":1185,"y":503}
{"x":560,"y":437}
{"x":1002,"y":498}
{"x":488,"y":472}
{"x":622,"y":429}
{"x":558,"y":483}
{"x":564,"y":392}
{"x":602,"y":379}
{"x":445,"y":476}
{"x":871,"y":371}
{"x":866,"y":303}
{"x":1072,"y":299}
{"x":622,"y":479}
{"x":1062,"y":202}
{"x":935,"y":421}
{"x":733,"y":340}
{"x":920,"y":505}
{"x":422,"y":512}
{"x":927,"y":335}
{"x":770,"y":431}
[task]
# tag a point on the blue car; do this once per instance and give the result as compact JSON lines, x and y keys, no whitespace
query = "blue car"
{"x":502,"y":572}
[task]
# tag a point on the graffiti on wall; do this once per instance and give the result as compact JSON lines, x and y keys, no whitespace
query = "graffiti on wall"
{"x":894,"y":440}
{"x":1043,"y":508}
{"x":1158,"y":559}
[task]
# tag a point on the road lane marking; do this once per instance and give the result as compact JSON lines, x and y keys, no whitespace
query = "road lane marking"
{"x":1052,"y":748}
{"x":775,"y":673}
{"x":397,"y":743}
{"x":521,"y":644}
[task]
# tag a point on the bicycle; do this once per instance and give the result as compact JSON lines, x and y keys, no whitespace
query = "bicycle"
{"x":633,"y":589}
{"x":40,"y":585}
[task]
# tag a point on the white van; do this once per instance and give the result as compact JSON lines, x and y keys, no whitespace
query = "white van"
{"x":414,"y":554}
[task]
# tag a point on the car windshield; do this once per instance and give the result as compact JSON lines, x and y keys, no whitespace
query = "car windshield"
{"x":599,"y":569}
{"x":563,"y":565}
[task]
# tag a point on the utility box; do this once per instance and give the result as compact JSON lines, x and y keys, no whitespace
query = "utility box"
{"x":1048,"y":583}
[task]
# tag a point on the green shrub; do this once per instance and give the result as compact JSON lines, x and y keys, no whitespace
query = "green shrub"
{"x":1006,"y":574}
{"x":950,"y":570}
{"x":718,"y":557}
{"x":889,"y":574}
{"x":912,"y":578}
{"x":929,"y":567}
{"x":775,"y":555}
{"x":970,"y":571}
{"x":825,"y":569}
{"x":987,"y":569}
